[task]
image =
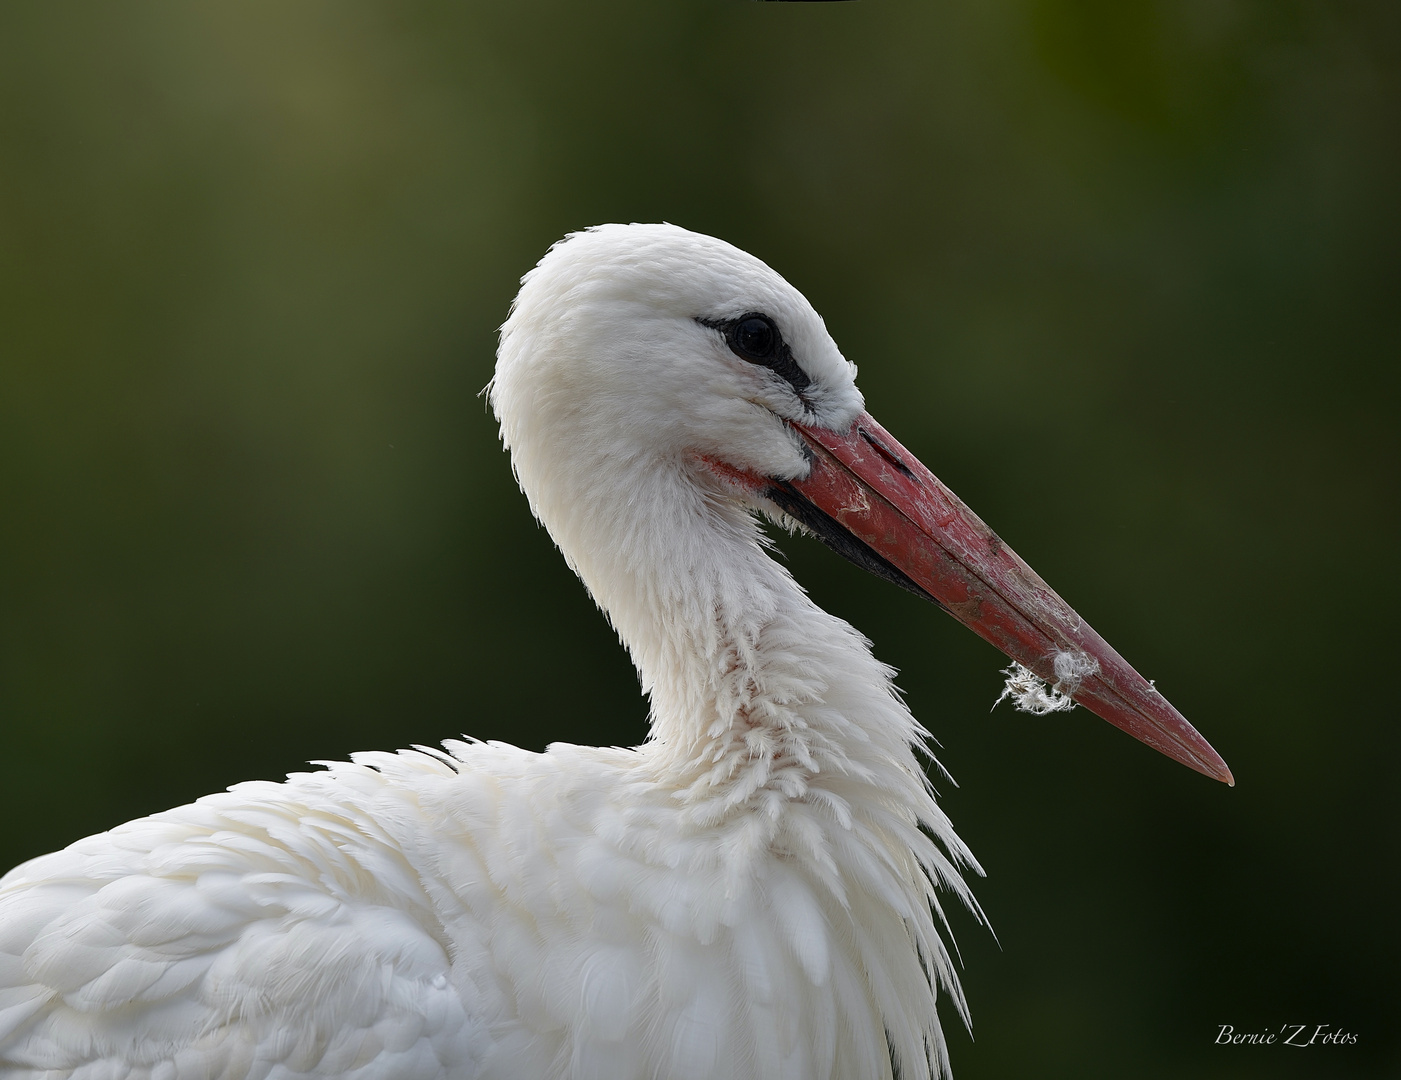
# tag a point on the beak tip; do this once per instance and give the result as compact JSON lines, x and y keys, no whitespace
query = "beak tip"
{"x":1217,"y":769}
{"x":1212,"y":764}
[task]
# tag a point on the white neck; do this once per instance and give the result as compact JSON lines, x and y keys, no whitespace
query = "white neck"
{"x":752,"y":686}
{"x":766,"y":708}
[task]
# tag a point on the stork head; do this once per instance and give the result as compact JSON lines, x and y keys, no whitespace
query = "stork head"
{"x":654,"y":341}
{"x":638,"y":350}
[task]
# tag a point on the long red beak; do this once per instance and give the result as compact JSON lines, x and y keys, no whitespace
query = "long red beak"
{"x":879,"y":506}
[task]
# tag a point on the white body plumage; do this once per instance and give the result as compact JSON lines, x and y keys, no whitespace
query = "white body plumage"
{"x":751,"y":893}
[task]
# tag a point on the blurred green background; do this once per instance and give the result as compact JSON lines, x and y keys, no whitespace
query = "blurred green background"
{"x":1123,"y":274}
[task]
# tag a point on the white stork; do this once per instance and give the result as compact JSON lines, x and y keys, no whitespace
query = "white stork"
{"x":754,"y":892}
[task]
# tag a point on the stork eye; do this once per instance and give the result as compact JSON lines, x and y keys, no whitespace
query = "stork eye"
{"x":755,"y":338}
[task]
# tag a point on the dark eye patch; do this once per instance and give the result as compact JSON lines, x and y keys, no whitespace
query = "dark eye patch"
{"x":755,"y":337}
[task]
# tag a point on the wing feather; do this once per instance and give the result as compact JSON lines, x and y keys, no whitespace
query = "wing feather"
{"x":232,"y":937}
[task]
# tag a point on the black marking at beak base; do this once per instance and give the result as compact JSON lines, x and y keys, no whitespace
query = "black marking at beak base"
{"x":831,"y":533}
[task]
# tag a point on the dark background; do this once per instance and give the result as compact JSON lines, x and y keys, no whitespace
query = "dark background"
{"x":1123,"y":274}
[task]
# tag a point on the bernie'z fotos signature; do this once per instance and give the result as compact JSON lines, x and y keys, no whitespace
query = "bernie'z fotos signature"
{"x":1296,"y":1035}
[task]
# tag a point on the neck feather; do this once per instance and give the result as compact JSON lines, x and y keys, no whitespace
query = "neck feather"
{"x":773,"y":725}
{"x":752,"y":686}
